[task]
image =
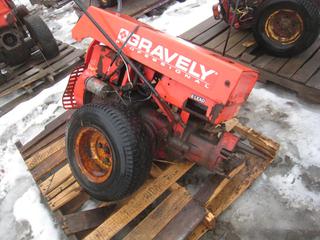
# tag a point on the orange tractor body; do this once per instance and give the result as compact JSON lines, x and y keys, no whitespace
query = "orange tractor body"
{"x":178,"y":93}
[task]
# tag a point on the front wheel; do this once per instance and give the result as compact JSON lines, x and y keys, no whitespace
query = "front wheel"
{"x":286,"y":27}
{"x":108,"y":150}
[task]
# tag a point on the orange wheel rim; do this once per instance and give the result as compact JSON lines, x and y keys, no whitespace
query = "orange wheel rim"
{"x":93,"y":154}
{"x":284,"y":26}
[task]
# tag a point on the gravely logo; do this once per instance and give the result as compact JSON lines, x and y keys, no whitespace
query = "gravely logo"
{"x":167,"y":58}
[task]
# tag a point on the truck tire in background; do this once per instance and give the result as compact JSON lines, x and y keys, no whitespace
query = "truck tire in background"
{"x":42,"y":36}
{"x":286,"y":27}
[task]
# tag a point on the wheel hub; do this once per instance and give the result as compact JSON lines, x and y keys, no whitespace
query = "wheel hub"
{"x":93,"y":153}
{"x":284,"y":26}
{"x":10,"y":39}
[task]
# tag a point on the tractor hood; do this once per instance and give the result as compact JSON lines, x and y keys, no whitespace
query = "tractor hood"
{"x":192,"y":66}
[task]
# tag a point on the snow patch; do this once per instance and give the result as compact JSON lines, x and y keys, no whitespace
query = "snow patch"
{"x":180,"y":17}
{"x":291,"y":188}
{"x":29,"y":208}
{"x":293,"y":124}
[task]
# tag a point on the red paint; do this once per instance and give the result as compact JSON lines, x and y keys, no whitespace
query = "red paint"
{"x":5,"y":11}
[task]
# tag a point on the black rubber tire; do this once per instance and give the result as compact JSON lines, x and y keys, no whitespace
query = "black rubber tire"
{"x":22,"y":11}
{"x":132,"y":154}
{"x":42,"y":36}
{"x":107,"y":3}
{"x":310,"y":17}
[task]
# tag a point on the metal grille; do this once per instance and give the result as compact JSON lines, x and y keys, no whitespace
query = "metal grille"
{"x":68,"y":99}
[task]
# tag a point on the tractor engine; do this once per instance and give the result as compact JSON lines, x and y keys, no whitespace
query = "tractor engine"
{"x":244,"y":14}
{"x":179,"y":108}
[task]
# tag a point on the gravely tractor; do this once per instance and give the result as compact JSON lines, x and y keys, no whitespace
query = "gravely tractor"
{"x":21,"y":32}
{"x":142,"y":94}
{"x":282,"y":27}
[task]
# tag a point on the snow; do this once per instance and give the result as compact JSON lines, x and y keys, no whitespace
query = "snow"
{"x":19,"y":198}
{"x":283,"y":201}
{"x":179,"y":18}
{"x":28,"y":208}
{"x":292,"y":188}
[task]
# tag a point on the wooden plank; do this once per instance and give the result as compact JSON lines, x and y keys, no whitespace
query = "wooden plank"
{"x":218,"y":189}
{"x":59,"y":216}
{"x":55,"y":180}
{"x":238,"y":49}
{"x":51,"y":162}
{"x":293,"y":65}
{"x":85,"y":220}
{"x":184,"y":223}
{"x":35,"y":88}
{"x":233,"y":40}
{"x":303,"y":91}
{"x":261,"y":142}
{"x":64,"y":197}
{"x":49,"y":128}
{"x":65,"y":63}
{"x":180,"y":229}
{"x":262,"y":60}
{"x":64,"y":185}
{"x":200,"y":230}
{"x":198,"y":29}
{"x":308,"y":69}
{"x":314,"y":81}
{"x":210,"y":33}
{"x":238,"y":185}
{"x":75,"y":204}
{"x":276,"y":64}
{"x":146,"y":195}
{"x":249,"y":55}
{"x":58,"y":133}
{"x":43,"y":154}
{"x":221,"y":38}
{"x":160,"y":216}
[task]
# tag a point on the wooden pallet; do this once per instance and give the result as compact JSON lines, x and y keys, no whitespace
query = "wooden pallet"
{"x":161,"y":209}
{"x":28,"y":79}
{"x":300,"y":73}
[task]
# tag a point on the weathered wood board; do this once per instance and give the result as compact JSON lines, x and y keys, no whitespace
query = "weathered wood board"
{"x":300,"y":73}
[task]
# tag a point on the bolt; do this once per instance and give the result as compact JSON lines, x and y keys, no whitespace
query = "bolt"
{"x":106,"y":150}
{"x":106,"y":161}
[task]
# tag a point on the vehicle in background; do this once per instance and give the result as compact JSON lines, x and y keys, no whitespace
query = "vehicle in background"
{"x":283,"y":27}
{"x":22,"y":33}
